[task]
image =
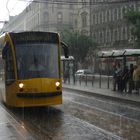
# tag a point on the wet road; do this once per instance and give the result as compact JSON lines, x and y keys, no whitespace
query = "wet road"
{"x":118,"y":118}
{"x":81,"y":117}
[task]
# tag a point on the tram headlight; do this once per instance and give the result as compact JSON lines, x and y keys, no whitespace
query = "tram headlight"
{"x":57,"y":84}
{"x":21,"y":85}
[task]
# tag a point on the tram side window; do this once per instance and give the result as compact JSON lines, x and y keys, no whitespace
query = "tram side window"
{"x":10,"y":77}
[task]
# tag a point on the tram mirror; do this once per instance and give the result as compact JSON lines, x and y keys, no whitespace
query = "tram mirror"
{"x":66,"y":53}
{"x":66,"y":49}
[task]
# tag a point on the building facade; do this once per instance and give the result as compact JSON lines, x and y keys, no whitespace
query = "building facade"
{"x":108,"y":25}
{"x":83,"y":14}
{"x":44,"y":16}
{"x":102,"y":20}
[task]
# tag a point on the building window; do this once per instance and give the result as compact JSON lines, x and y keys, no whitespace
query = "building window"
{"x":100,"y":37}
{"x":108,"y":36}
{"x":84,"y":19}
{"x":46,"y":16}
{"x":119,"y":13}
{"x":115,"y":14}
{"x":71,"y":18}
{"x":76,"y":23}
{"x":107,"y":16}
{"x":100,"y":17}
{"x":59,"y":17}
{"x":94,"y":19}
{"x":103,"y":38}
{"x":124,"y":10}
{"x":104,"y":17}
{"x":123,"y":33}
{"x":94,"y":36}
{"x":132,"y":7}
{"x":115,"y":35}
{"x":83,"y":3}
{"x":126,"y":33}
{"x":71,"y":6}
{"x":59,"y":5}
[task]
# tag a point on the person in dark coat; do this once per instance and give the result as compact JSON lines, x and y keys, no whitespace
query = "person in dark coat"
{"x":124,"y":79}
{"x":114,"y":78}
{"x":118,"y":77}
{"x":130,"y":80}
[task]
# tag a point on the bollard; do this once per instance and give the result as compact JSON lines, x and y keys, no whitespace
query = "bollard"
{"x":93,"y":80}
{"x":80,"y":80}
{"x":108,"y":82}
{"x":86,"y":80}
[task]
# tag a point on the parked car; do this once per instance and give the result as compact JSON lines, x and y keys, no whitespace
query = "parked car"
{"x":83,"y":74}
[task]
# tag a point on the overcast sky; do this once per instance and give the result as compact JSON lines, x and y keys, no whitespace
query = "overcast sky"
{"x":11,"y":7}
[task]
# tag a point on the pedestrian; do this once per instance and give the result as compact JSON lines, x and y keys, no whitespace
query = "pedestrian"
{"x":114,"y":77}
{"x":66,"y":75}
{"x":130,"y":79}
{"x":118,"y":76}
{"x":136,"y":77}
{"x":124,"y":79}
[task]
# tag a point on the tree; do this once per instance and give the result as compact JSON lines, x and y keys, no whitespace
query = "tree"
{"x":79,"y":44}
{"x":133,"y":17}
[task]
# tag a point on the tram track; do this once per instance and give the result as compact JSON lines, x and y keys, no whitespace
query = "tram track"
{"x":32,"y":128}
{"x":115,"y":121}
{"x":75,"y":123}
{"x":109,"y":106}
{"x":44,"y":122}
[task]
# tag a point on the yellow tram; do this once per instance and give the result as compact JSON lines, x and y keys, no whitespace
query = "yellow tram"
{"x":32,"y":69}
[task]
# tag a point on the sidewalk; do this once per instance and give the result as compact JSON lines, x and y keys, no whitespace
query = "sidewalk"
{"x":102,"y":92}
{"x":11,"y":129}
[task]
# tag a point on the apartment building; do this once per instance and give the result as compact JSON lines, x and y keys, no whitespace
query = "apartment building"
{"x":108,"y":25}
{"x":44,"y":16}
{"x":103,"y":20}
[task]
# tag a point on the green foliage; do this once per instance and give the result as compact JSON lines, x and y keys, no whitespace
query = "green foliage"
{"x":78,"y":44}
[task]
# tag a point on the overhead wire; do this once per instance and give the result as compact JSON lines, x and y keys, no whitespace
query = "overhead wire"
{"x":1,"y":30}
{"x":9,"y":11}
{"x":79,"y":3}
{"x":82,"y":3}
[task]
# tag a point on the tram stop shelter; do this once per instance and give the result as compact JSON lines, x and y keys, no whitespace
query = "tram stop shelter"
{"x":117,"y":54}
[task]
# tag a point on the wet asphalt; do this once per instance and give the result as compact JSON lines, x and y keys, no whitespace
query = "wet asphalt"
{"x":81,"y":117}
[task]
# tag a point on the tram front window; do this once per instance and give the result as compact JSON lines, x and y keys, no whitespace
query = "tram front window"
{"x":37,"y":60}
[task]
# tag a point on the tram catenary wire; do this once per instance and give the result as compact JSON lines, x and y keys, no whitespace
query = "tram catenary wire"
{"x":79,"y":3}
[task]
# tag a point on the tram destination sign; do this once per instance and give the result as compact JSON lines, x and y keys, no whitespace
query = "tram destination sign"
{"x":34,"y":37}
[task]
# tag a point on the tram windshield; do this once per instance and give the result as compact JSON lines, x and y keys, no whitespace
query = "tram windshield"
{"x":37,"y":60}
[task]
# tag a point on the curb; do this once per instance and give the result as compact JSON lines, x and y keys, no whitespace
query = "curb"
{"x":115,"y":98}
